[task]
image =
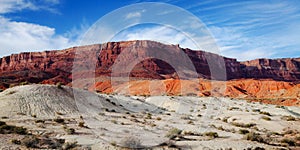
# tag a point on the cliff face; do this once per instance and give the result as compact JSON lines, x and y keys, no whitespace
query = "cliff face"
{"x":56,"y":66}
{"x":36,"y":67}
{"x":287,"y":69}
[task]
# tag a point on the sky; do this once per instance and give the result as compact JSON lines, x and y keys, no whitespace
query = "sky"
{"x":242,"y":29}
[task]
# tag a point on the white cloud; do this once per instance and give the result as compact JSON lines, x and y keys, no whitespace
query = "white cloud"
{"x":17,"y":37}
{"x":7,"y":6}
{"x":133,"y":15}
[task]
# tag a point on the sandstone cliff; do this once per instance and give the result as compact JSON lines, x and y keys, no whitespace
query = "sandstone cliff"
{"x":137,"y":59}
{"x":56,"y":66}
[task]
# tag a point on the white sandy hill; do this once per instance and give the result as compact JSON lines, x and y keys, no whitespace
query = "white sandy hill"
{"x":48,"y":100}
{"x":113,"y":119}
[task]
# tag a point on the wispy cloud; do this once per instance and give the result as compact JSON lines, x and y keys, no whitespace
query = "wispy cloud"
{"x":253,"y":29}
{"x":133,"y":15}
{"x":8,"y":6}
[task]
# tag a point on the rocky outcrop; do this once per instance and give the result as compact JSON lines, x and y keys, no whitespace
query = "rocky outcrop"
{"x":56,"y":66}
{"x":286,"y":69}
{"x":266,"y":91}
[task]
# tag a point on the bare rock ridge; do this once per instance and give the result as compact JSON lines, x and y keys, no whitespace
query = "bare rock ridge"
{"x":56,"y":66}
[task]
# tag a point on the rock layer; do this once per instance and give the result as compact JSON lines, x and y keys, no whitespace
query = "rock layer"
{"x":56,"y":66}
{"x":144,"y":60}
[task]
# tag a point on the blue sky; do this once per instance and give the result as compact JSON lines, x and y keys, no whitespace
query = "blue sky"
{"x":242,"y":29}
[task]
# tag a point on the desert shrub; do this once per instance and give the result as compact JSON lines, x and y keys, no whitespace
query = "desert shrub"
{"x":220,"y":128}
{"x":113,"y":103}
{"x":8,"y":129}
{"x":70,"y":130}
{"x":278,"y":106}
{"x":59,"y":113}
{"x":20,"y":113}
{"x":242,"y":125}
{"x":59,"y":85}
{"x":256,"y":110}
{"x":149,"y":116}
{"x":114,"y":121}
{"x":113,"y":143}
{"x":59,"y":120}
{"x":2,"y":123}
{"x":190,"y":122}
{"x":174,"y":132}
{"x":252,"y":136}
{"x":15,"y":141}
{"x":185,"y":117}
{"x":243,"y":131}
{"x":272,"y":133}
{"x":20,"y":130}
{"x":4,"y":117}
{"x":81,"y":124}
{"x":69,"y":145}
{"x":11,"y":92}
{"x":211,"y":134}
{"x":24,"y":83}
{"x":33,"y":115}
{"x":112,"y":110}
{"x":158,"y":118}
{"x":225,"y":119}
{"x":289,"y":132}
{"x":234,"y":108}
{"x":266,"y":118}
{"x":288,"y":118}
{"x":265,"y":113}
{"x":131,"y":142}
{"x":39,"y":121}
{"x":290,"y":142}
{"x":30,"y":141}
